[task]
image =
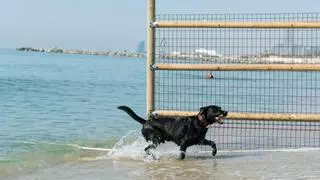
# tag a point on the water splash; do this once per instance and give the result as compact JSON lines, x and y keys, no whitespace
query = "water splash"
{"x":131,"y":147}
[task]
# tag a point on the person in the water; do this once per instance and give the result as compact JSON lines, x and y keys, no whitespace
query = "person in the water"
{"x":209,"y":75}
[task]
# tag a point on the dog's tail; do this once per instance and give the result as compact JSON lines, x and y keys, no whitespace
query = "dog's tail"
{"x":132,"y":114}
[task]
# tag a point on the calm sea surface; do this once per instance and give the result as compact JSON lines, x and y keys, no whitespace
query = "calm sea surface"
{"x":59,"y":120}
{"x":49,"y":99}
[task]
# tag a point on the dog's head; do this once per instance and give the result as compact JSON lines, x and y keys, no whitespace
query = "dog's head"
{"x":212,"y":114}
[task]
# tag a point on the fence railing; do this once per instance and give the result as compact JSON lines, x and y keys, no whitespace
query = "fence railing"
{"x":265,"y":73}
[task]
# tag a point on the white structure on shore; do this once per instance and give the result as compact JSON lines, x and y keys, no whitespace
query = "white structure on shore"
{"x":202,"y":52}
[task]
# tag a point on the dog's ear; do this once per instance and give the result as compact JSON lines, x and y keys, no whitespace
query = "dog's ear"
{"x":203,"y":109}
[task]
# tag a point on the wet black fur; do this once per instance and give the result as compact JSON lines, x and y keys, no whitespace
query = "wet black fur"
{"x":184,"y":131}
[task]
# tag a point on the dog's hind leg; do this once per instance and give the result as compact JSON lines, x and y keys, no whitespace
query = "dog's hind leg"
{"x":184,"y":146}
{"x":183,"y":150}
{"x":212,"y":144}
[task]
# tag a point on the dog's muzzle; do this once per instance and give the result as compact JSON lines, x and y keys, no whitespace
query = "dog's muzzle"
{"x":219,"y":119}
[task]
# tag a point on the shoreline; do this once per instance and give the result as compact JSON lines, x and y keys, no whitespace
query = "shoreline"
{"x":83,"y":52}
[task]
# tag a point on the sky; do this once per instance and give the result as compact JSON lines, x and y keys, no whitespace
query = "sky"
{"x":110,"y":25}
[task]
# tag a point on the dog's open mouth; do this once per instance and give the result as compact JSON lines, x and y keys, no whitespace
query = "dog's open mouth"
{"x":219,"y":119}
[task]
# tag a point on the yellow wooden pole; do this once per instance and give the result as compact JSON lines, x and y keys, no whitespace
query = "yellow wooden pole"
{"x":249,"y":116}
{"x":212,"y":24}
{"x":150,"y":57}
{"x":239,"y":67}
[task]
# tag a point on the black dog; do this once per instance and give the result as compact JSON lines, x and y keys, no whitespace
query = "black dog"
{"x":184,"y":131}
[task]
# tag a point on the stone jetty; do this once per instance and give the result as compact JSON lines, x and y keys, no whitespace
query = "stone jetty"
{"x":254,"y":59}
{"x":84,"y":52}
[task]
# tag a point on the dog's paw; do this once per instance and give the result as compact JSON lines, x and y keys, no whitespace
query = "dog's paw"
{"x":152,"y":154}
{"x":182,"y":155}
{"x":214,"y":152}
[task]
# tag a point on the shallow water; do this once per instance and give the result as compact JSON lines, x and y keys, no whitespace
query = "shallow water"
{"x":226,"y":165}
{"x":59,"y":121}
{"x":52,"y":100}
{"x":128,"y":161}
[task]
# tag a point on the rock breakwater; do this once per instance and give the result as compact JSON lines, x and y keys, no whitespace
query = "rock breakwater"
{"x":84,"y":52}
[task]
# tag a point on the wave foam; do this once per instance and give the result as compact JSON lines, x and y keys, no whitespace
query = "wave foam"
{"x":131,"y":146}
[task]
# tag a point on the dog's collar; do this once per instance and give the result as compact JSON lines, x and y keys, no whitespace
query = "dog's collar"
{"x":201,"y":118}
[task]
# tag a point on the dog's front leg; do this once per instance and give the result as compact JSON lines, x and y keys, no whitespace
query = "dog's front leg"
{"x":151,"y":146}
{"x":154,"y":145}
{"x":212,"y":144}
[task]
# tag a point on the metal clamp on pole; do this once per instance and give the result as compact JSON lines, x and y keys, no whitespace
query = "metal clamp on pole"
{"x":153,"y":24}
{"x":154,"y":115}
{"x":153,"y":67}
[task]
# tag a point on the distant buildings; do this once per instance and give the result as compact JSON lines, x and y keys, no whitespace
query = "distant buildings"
{"x":141,"y":47}
{"x":295,"y":50}
{"x":294,"y":45}
{"x":202,"y":52}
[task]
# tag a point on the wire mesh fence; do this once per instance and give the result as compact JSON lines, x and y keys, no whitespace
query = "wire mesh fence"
{"x":295,"y":92}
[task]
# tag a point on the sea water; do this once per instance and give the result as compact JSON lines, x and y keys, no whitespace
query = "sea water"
{"x":59,"y":121}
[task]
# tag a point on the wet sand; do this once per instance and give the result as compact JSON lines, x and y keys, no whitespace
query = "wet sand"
{"x":226,"y":165}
